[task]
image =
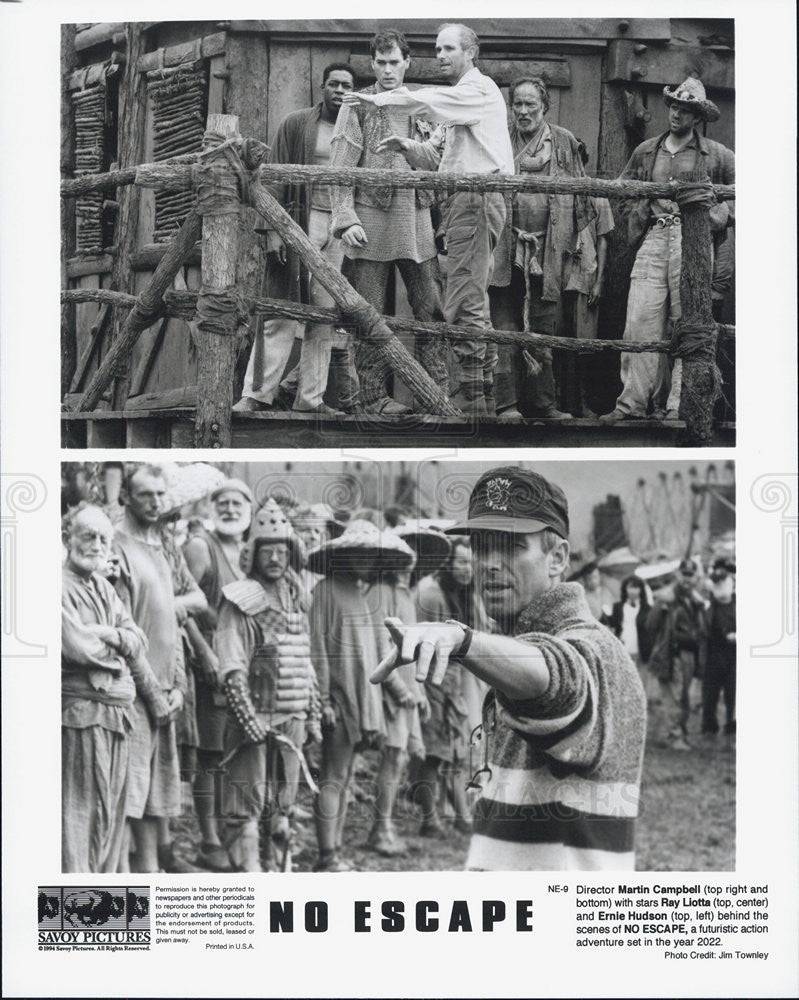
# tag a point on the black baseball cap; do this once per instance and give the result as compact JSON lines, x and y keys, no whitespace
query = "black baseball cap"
{"x":515,"y":500}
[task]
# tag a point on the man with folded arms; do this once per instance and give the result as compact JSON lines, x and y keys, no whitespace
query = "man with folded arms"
{"x":564,"y":721}
{"x":102,"y":666}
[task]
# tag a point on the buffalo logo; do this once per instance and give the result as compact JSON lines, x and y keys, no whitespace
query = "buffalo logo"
{"x":49,"y":907}
{"x":497,"y":494}
{"x":92,"y":908}
{"x":138,"y":907}
{"x":92,"y":917}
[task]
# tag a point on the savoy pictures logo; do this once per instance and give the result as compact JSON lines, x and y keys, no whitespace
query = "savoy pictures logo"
{"x":115,"y":918}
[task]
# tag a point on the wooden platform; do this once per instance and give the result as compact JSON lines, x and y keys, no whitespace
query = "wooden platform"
{"x":174,"y":428}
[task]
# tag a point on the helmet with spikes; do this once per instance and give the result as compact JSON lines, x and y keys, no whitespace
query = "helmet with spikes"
{"x":270,"y":524}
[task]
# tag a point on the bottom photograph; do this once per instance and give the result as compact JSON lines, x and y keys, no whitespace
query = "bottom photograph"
{"x":398,"y":666}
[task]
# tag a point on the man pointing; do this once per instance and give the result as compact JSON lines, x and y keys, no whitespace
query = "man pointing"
{"x":476,"y":142}
{"x":564,"y":721}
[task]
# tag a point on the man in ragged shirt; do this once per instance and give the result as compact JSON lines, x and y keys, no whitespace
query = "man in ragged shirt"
{"x":653,"y":305}
{"x":476,"y":142}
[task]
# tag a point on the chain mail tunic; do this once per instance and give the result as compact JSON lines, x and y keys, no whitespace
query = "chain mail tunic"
{"x":401,"y":230}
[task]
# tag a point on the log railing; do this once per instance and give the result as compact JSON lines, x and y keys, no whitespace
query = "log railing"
{"x":232,"y":166}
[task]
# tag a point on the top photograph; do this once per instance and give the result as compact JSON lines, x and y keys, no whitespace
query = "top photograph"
{"x":504,"y":232}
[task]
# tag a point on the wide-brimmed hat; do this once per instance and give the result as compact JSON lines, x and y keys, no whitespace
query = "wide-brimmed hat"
{"x":431,"y":546}
{"x":652,"y":571}
{"x":187,"y":483}
{"x":307,"y":514}
{"x":270,"y":524}
{"x":619,"y":562}
{"x":515,"y":500}
{"x":360,"y":541}
{"x":690,"y":94}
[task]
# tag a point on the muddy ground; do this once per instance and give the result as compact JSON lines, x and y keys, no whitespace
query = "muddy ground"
{"x":686,"y":822}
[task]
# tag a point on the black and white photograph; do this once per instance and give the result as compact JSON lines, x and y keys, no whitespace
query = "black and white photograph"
{"x":330,"y":666}
{"x":398,"y":666}
{"x":506,"y":232}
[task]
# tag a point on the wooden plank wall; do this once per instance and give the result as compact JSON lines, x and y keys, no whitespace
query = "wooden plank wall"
{"x":270,"y":76}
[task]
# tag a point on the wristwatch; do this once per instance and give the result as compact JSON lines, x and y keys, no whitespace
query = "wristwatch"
{"x":468,"y":635}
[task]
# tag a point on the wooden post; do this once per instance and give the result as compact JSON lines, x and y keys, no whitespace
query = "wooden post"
{"x":69,"y":347}
{"x":148,"y":307}
{"x":130,"y":143}
{"x":696,"y":330}
{"x":217,"y":351}
{"x":353,"y":305}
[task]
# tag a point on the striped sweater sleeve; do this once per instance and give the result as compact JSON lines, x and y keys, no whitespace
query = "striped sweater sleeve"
{"x":564,"y":721}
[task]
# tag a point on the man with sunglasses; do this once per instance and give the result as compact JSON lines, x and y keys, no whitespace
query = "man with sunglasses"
{"x":564,"y":721}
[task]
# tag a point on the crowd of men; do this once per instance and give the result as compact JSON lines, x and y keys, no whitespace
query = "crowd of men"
{"x":274,"y":645}
{"x":535,"y":262}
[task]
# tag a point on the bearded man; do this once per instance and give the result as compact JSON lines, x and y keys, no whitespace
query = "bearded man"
{"x":102,"y":650}
{"x":541,"y":234}
{"x":213,"y":559}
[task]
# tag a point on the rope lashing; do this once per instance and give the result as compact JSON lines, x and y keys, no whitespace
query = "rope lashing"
{"x":697,"y":341}
{"x":222,"y":310}
{"x":221,"y":187}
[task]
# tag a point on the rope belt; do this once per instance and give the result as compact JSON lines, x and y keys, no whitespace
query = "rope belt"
{"x":280,"y":738}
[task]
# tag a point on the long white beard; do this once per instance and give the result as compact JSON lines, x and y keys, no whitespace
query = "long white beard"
{"x":237,"y":527}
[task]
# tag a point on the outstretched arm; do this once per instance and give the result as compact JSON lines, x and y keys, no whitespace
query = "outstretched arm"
{"x":517,"y":669}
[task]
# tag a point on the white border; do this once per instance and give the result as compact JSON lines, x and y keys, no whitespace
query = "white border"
{"x":340,"y":963}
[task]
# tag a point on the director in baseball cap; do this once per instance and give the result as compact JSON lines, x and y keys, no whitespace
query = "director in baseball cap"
{"x":517,"y":500}
{"x":565,"y":694}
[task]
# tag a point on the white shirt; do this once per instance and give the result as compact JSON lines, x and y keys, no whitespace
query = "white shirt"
{"x":629,"y":628}
{"x":474,"y":110}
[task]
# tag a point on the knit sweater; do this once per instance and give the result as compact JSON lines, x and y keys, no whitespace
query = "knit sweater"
{"x":566,"y":765}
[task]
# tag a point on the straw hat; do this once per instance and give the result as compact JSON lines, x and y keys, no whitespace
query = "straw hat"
{"x":359,"y":539}
{"x":620,"y":562}
{"x":270,"y":524}
{"x":430,"y":545}
{"x":652,"y":571}
{"x":690,"y":94}
{"x":188,"y":483}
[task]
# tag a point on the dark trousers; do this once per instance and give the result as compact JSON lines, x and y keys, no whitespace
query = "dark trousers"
{"x":719,"y":679}
{"x":370,"y":279}
{"x":512,"y":385}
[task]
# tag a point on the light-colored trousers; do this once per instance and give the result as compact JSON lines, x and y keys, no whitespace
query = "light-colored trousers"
{"x":473,"y":224}
{"x":274,"y":341}
{"x":653,"y":307}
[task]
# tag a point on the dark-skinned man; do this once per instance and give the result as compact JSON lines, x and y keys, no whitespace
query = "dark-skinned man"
{"x":304,"y":136}
{"x":564,"y":721}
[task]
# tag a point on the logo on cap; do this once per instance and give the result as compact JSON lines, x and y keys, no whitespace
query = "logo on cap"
{"x":497,"y":495}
